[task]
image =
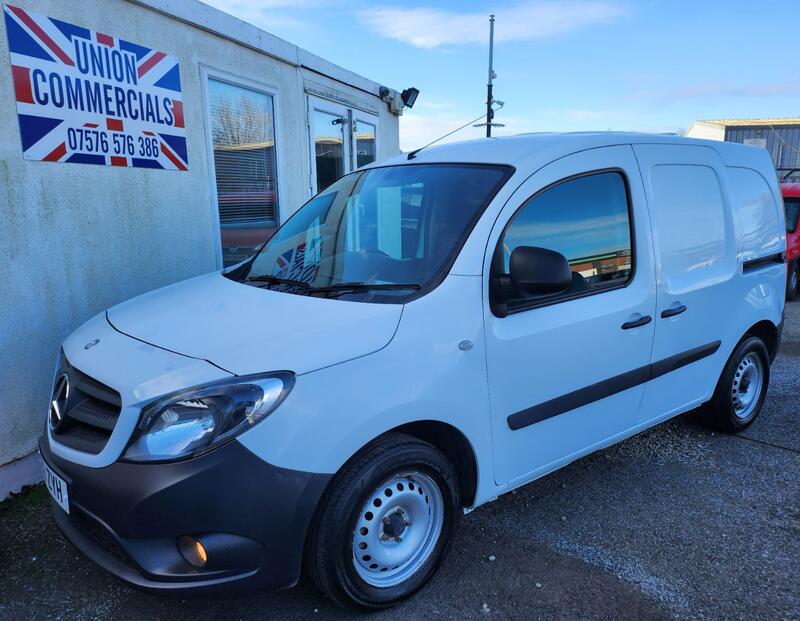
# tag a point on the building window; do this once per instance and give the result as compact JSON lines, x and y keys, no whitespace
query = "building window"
{"x":587,"y":220}
{"x":243,"y":136}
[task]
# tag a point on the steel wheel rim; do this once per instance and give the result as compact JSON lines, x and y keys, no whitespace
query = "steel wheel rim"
{"x":747,"y":384}
{"x":397,"y":529}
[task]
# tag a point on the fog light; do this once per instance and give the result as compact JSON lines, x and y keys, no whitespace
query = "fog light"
{"x":193,"y":551}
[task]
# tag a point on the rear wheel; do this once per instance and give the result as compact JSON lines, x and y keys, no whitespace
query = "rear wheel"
{"x":742,"y":387}
{"x":385,"y":523}
{"x":793,"y":280}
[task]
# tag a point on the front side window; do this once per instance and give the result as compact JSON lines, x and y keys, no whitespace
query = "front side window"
{"x":381,"y":235}
{"x":792,"y":207}
{"x":587,"y":220}
{"x":243,"y":136}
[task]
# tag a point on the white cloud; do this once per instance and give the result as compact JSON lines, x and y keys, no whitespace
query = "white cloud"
{"x":711,"y":89}
{"x":418,"y":129}
{"x":425,"y":104}
{"x":526,"y":21}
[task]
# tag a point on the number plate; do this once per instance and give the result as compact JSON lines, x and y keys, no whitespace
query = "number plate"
{"x":56,"y":486}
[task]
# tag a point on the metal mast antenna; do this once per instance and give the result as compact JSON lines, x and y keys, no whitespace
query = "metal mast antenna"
{"x":490,"y":100}
{"x":492,"y":75}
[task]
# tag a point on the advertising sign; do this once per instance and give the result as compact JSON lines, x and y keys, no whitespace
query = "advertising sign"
{"x":756,"y":142}
{"x":87,"y":97}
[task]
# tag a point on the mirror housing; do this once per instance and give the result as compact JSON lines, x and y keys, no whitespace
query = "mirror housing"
{"x":539,"y":271}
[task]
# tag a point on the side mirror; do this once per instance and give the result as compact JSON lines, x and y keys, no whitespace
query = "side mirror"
{"x":539,"y":271}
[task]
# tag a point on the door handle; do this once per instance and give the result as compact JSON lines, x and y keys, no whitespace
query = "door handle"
{"x":637,"y":323}
{"x":672,"y":311}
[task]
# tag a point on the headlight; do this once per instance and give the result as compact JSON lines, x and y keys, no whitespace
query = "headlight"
{"x":193,"y":421}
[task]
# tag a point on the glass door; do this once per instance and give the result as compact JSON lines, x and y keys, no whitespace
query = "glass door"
{"x":329,"y":125}
{"x":342,"y":139}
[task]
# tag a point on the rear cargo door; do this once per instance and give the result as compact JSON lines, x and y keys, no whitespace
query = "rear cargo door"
{"x":696,"y":261}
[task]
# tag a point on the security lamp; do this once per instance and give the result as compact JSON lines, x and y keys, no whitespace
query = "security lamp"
{"x":409,"y":96}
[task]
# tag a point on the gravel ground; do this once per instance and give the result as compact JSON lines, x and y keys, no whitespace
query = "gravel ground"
{"x":678,"y":522}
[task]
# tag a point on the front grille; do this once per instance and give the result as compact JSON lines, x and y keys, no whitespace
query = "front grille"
{"x":97,"y":389}
{"x":99,"y":535}
{"x":95,"y":414}
{"x":91,"y":412}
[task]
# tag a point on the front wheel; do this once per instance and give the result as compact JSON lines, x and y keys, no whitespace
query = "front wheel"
{"x":742,"y":387}
{"x":385,"y":523}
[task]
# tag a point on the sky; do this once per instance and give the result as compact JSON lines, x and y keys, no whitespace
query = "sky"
{"x":568,"y":65}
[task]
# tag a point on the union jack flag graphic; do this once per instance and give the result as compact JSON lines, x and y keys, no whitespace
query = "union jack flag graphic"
{"x":297,"y":264}
{"x":92,"y":98}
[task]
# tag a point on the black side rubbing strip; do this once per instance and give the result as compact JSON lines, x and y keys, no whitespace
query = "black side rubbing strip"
{"x":606,"y":388}
{"x":755,"y":264}
{"x":673,"y":363}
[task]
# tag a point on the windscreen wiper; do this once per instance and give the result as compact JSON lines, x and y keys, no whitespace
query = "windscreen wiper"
{"x":350,"y":287}
{"x":274,"y":280}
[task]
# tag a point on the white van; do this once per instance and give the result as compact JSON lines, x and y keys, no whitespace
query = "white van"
{"x":422,"y":336}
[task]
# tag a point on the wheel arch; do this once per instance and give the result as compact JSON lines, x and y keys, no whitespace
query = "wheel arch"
{"x":451,"y":441}
{"x":456,"y":448}
{"x":767,"y":332}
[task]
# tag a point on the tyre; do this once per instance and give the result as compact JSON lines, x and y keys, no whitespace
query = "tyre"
{"x":742,"y":387}
{"x":384,"y":524}
{"x":793,"y":280}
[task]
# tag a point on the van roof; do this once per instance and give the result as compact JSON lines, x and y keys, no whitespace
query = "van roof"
{"x":537,"y":149}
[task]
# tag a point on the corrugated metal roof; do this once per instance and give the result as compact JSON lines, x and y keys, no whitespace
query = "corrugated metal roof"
{"x":752,"y":122}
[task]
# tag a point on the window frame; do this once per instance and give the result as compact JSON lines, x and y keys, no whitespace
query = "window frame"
{"x":207,"y":73}
{"x":500,"y":308}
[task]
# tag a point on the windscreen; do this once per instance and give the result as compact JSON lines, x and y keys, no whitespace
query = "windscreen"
{"x":380,"y":235}
{"x":792,"y":207}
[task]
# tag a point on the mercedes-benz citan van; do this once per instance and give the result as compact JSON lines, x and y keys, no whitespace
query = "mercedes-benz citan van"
{"x":422,"y":336}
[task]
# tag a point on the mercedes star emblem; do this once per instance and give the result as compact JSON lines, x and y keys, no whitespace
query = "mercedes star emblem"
{"x":58,"y":402}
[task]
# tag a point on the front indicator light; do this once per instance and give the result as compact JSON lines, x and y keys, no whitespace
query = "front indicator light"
{"x":193,"y":551}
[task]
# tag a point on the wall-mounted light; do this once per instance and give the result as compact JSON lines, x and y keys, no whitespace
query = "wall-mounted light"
{"x":398,"y":101}
{"x":409,"y":96}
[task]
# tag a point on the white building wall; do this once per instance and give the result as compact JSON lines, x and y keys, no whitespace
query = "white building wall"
{"x":77,"y":238}
{"x":706,"y":131}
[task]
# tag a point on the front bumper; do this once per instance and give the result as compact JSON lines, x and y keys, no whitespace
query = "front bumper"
{"x":251,"y":516}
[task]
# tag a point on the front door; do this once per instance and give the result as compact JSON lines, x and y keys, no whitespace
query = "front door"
{"x":567,"y":371}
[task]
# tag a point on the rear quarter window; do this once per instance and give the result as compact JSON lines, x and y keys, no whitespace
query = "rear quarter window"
{"x":756,"y":215}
